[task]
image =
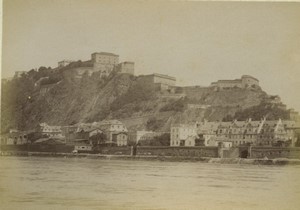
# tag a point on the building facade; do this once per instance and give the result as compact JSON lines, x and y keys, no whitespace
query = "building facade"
{"x":246,"y":81}
{"x":120,"y":139}
{"x":111,"y":128}
{"x":104,"y":62}
{"x":126,"y":67}
{"x":16,"y":137}
{"x":260,"y":133}
{"x":207,"y":132}
{"x":183,"y":134}
{"x":237,"y":133}
{"x":50,"y":131}
{"x":158,"y":81}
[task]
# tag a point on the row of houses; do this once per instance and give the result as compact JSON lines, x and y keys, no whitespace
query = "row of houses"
{"x":109,"y":132}
{"x":113,"y":132}
{"x":235,"y":133}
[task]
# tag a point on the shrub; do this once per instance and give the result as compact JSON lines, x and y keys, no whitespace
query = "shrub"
{"x":262,"y":110}
{"x":162,"y":140}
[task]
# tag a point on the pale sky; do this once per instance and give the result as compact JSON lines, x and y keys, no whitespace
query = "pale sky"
{"x":197,"y":42}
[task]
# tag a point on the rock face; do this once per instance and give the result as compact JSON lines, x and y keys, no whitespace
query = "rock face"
{"x":120,"y":96}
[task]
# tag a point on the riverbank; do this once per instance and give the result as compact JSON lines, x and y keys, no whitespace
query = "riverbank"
{"x":275,"y":161}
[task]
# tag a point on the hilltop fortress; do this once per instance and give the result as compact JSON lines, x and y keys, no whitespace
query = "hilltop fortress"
{"x":246,"y":81}
{"x":105,"y":63}
{"x":102,"y":62}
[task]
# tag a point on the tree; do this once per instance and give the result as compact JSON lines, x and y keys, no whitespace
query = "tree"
{"x":272,"y":112}
{"x":158,"y":141}
{"x":33,"y":136}
{"x":200,"y":141}
{"x":97,"y":139}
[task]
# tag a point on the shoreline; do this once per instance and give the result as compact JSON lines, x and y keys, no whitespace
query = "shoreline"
{"x":244,"y":161}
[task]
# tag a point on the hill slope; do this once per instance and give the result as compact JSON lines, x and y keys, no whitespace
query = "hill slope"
{"x":65,"y":100}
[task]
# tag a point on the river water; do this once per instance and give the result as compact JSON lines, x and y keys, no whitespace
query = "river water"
{"x":80,"y":183}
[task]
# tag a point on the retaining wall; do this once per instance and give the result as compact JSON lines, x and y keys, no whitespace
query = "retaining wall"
{"x":114,"y":150}
{"x":256,"y":152}
{"x":39,"y":148}
{"x":179,"y":151}
{"x":275,"y":152}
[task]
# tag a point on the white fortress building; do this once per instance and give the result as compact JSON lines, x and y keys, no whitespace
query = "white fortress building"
{"x":246,"y":81}
{"x":103,"y":62}
{"x":159,"y":81}
{"x":126,"y":67}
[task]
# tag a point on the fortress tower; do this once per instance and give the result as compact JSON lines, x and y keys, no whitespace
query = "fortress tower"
{"x":104,"y":62}
{"x":249,"y":81}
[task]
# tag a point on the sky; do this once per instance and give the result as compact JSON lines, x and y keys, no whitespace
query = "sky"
{"x":197,"y":42}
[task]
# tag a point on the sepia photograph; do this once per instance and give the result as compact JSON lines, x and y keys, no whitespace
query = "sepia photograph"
{"x":150,"y":105}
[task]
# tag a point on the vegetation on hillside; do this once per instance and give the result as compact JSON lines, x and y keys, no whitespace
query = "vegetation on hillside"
{"x":177,"y":105}
{"x":154,"y":124}
{"x":98,"y":138}
{"x":58,"y":97}
{"x":136,"y":93}
{"x":23,"y":105}
{"x":270,"y":111}
{"x":15,"y":96}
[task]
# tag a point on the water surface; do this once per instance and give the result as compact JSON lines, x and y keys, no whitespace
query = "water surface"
{"x":74,"y":183}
